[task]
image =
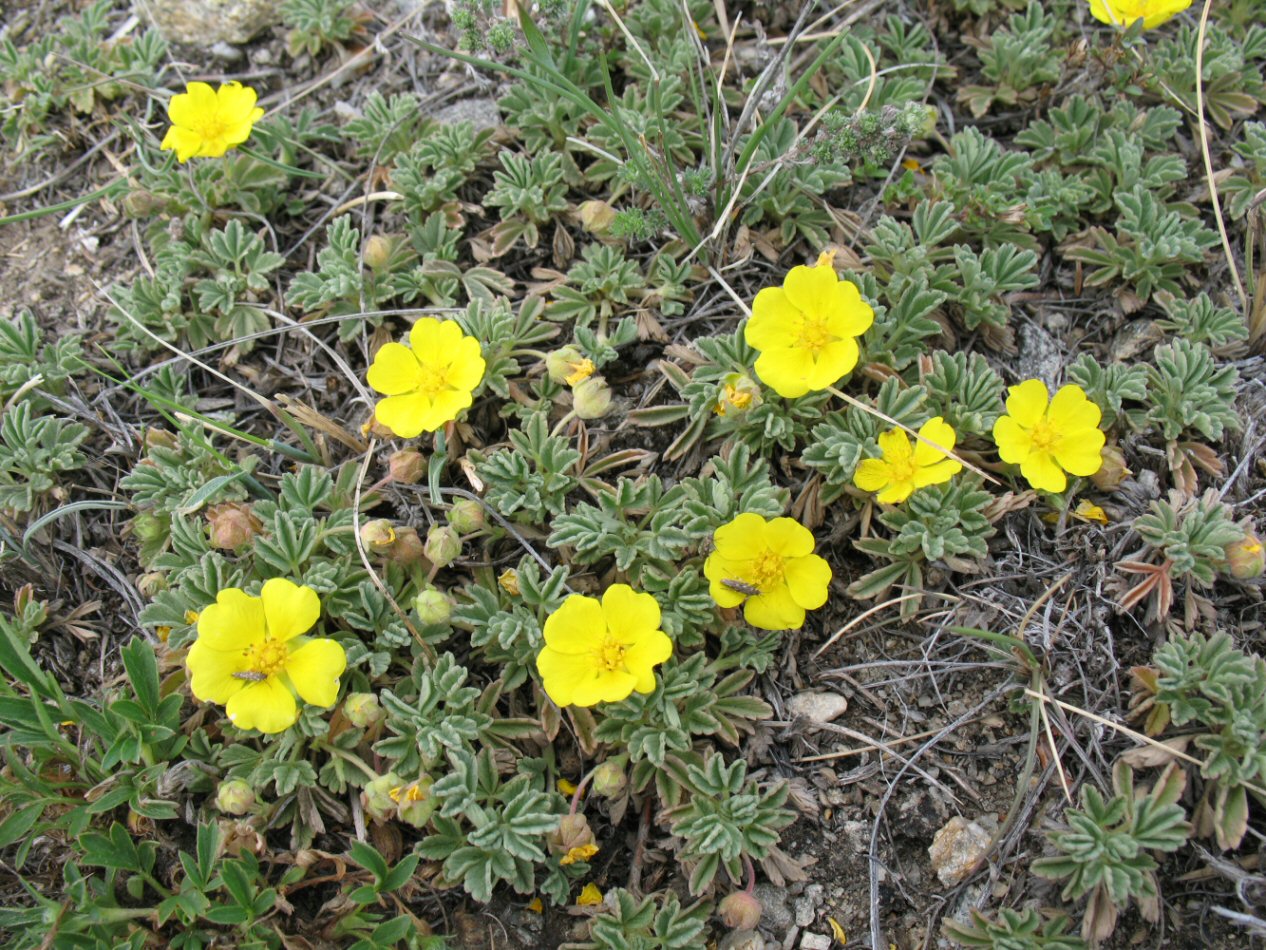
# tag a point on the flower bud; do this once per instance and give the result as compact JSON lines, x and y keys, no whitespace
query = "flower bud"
{"x":1112,"y":472}
{"x":568,"y":365}
{"x":233,"y":525}
{"x":377,"y":251}
{"x":508,"y":581}
{"x":376,"y":798}
{"x":740,"y":911}
{"x":407,"y":466}
{"x":466,"y":515}
{"x":1245,"y":558}
{"x":443,"y":546}
{"x":235,"y":797}
{"x":739,"y":394}
{"x":149,"y":527}
{"x":152,"y":584}
{"x":407,"y":548}
{"x":378,"y":535}
{"x":362,"y":709}
{"x":591,"y":398}
{"x":433,"y":606}
{"x":573,"y":839}
{"x":160,"y":437}
{"x":609,"y":780}
{"x":414,"y":802}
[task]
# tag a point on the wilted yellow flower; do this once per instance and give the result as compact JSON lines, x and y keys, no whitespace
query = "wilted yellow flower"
{"x":807,"y":330}
{"x":250,"y":654}
{"x":508,"y":581}
{"x":590,"y":896}
{"x":428,"y":385}
{"x":739,"y":394}
{"x":1047,"y":439}
{"x":207,"y":122}
{"x":769,"y":567}
{"x":905,"y":467}
{"x":599,"y":652}
{"x":581,"y":853}
{"x":1124,"y":12}
{"x":565,"y":787}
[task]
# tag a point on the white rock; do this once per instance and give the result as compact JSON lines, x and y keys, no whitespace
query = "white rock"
{"x":207,"y":22}
{"x":958,"y":847}
{"x":817,"y":707}
{"x":812,"y":941}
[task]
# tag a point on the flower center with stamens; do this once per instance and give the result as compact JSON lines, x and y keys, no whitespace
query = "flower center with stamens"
{"x":431,"y":381}
{"x":212,"y":128}
{"x":815,"y":334}
{"x":267,"y":657}
{"x":767,"y":569}
{"x":1043,"y":436}
{"x":611,"y":655}
{"x":902,"y":470}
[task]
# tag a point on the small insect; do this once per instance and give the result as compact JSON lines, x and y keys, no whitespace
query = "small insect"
{"x":742,"y":587}
{"x":251,"y":676}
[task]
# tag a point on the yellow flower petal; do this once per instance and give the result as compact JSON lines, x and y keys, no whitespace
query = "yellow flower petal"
{"x":395,"y":370}
{"x":855,"y":316}
{"x":895,"y":445}
{"x":590,"y":896}
{"x":184,"y":142}
{"x":565,"y":787}
{"x":1043,"y":473}
{"x":267,"y":706}
{"x":561,"y":673}
{"x":734,"y":539}
{"x":896,"y":491}
{"x":1081,"y":454}
{"x":1070,"y":410}
{"x":629,"y":616}
{"x":872,"y":475}
{"x":936,"y":473}
{"x":835,"y":361}
{"x":466,"y":368}
{"x":236,"y":105}
{"x":774,"y":610}
{"x":649,"y":651}
{"x":577,"y":626}
{"x":811,"y":289}
{"x":606,"y":686}
{"x":934,"y":430}
{"x":788,"y":537}
{"x":211,"y":672}
{"x":186,"y":108}
{"x":786,"y":371}
{"x":718,"y":569}
{"x":1014,"y":444}
{"x":1027,"y":402}
{"x":234,"y":622}
{"x":405,"y":415}
{"x":766,"y":327}
{"x":314,"y":669}
{"x":289,"y":609}
{"x":808,"y":580}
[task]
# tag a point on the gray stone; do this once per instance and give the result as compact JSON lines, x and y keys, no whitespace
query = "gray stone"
{"x":959,"y":846}
{"x":817,"y":707}
{"x":812,"y":941}
{"x":776,"y":915}
{"x":207,"y":22}
{"x":807,"y":905}
{"x":481,"y":113}
{"x":742,"y":940}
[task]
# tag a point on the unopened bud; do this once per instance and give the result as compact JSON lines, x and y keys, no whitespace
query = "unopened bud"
{"x":377,"y":251}
{"x":739,"y":394}
{"x":433,"y":606}
{"x":568,"y":365}
{"x":149,"y":527}
{"x":1245,"y":558}
{"x":591,"y":398}
{"x":160,"y":437}
{"x":235,"y":797}
{"x":508,"y":581}
{"x":466,"y":515}
{"x":232,"y":525}
{"x":443,"y":546}
{"x":740,"y":911}
{"x":407,"y":466}
{"x":378,"y":535}
{"x":362,"y":709}
{"x":414,"y":802}
{"x":1112,"y":472}
{"x":596,"y":217}
{"x":151,"y":584}
{"x":376,"y":798}
{"x":609,"y":779}
{"x":407,"y":548}
{"x":573,"y":839}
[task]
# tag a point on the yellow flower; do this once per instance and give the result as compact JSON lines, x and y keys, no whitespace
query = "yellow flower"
{"x":600,"y":652}
{"x":208,"y":122}
{"x":565,"y":787}
{"x":590,"y":896}
{"x":1048,"y":439}
{"x":807,"y":330}
{"x":739,"y":394}
{"x":1124,"y":12}
{"x":428,"y":385}
{"x":769,"y":567}
{"x":250,"y":654}
{"x":580,"y":853}
{"x":905,"y":467}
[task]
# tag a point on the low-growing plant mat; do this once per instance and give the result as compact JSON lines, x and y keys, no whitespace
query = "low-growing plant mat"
{"x":647,"y":474}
